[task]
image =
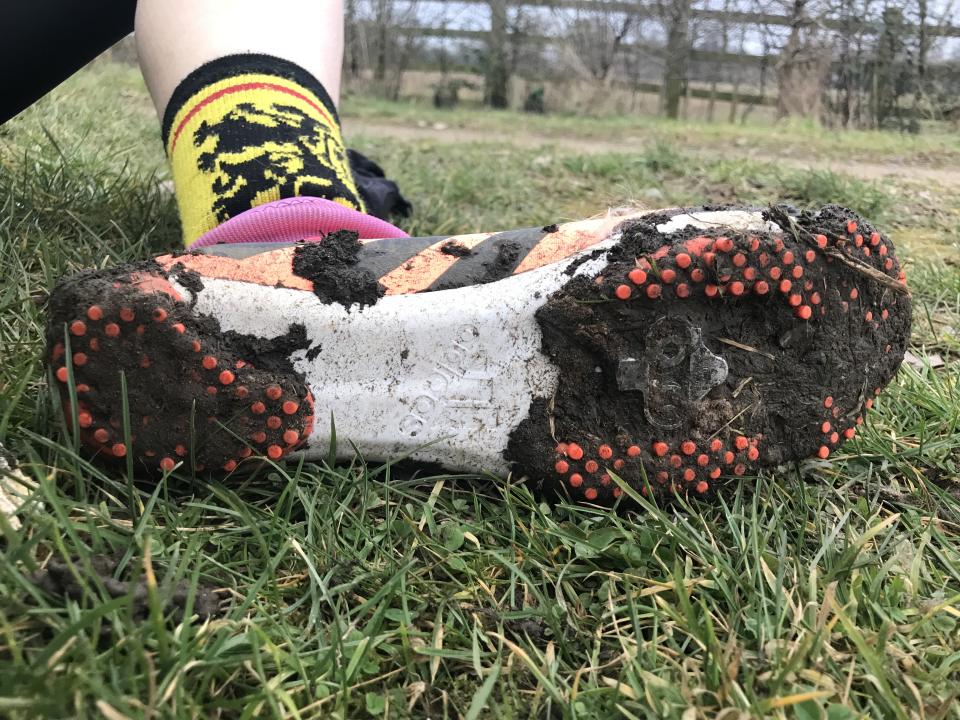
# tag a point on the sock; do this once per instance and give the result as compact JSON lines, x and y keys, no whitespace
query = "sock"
{"x":244,"y":130}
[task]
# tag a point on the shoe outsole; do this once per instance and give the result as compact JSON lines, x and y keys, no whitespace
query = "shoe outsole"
{"x":662,"y":349}
{"x":195,"y":395}
{"x":686,"y":363}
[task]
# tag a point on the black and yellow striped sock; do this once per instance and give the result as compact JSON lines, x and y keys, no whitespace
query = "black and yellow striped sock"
{"x":245,"y":130}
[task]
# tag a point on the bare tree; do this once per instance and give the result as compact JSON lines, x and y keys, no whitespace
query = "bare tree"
{"x":802,"y":66}
{"x":497,"y":73}
{"x":675,"y":15}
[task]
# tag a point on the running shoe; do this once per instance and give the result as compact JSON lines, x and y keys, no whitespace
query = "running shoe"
{"x":675,"y":349}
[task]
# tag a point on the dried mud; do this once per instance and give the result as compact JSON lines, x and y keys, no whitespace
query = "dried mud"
{"x":780,"y":369}
{"x":332,"y":267}
{"x":57,"y":578}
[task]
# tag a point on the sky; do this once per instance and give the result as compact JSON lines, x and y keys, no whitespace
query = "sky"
{"x":475,"y":16}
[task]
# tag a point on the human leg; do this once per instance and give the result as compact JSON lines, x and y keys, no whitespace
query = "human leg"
{"x":248,"y":101}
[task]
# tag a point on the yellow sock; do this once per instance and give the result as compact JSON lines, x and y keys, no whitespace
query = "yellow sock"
{"x":245,"y":130}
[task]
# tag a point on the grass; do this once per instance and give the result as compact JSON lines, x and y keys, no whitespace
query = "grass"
{"x":825,"y":590}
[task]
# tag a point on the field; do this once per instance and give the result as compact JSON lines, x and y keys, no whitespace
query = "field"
{"x":828,"y":589}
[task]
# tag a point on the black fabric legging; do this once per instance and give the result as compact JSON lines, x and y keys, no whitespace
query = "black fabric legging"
{"x":43,"y":42}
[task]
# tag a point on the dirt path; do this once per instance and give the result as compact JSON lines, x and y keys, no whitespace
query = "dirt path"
{"x":862,"y":170}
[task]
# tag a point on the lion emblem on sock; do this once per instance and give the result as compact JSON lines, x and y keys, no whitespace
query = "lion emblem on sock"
{"x":296,"y":155}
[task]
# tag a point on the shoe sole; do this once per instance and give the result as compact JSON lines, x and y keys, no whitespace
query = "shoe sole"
{"x":673,"y":349}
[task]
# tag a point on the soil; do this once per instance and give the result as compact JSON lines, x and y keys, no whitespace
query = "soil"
{"x":455,"y":249}
{"x":581,"y":145}
{"x":780,"y":370}
{"x":180,"y":409}
{"x":493,"y":259}
{"x":332,"y":267}
{"x":58,"y":579}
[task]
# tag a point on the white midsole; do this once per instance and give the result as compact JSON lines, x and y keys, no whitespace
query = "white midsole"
{"x":441,"y":377}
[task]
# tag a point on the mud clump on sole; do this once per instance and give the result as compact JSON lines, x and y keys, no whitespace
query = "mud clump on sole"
{"x":455,"y":249}
{"x":195,"y":394}
{"x":701,"y":354}
{"x":332,"y":267}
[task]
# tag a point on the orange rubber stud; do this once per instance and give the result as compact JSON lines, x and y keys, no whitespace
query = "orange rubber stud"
{"x":591,"y":466}
{"x":605,"y":452}
{"x":660,"y":449}
{"x":623,"y":292}
{"x":78,"y":328}
{"x":562,"y":467}
{"x":167,"y":464}
{"x":637,"y":276}
{"x":226,"y":377}
{"x":94,"y":312}
{"x":101,"y":435}
{"x":574,"y":451}
{"x":682,"y":260}
{"x":127,"y":314}
{"x":274,"y":452}
{"x":274,"y":392}
{"x":209,"y":362}
{"x":576,"y":480}
{"x":633,"y":451}
{"x":653,"y":291}
{"x":274,"y":423}
{"x":258,"y":408}
{"x":159,"y":314}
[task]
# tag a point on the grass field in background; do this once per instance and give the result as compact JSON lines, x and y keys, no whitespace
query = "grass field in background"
{"x":829,"y":589}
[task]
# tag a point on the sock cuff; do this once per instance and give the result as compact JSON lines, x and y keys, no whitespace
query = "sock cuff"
{"x":233,"y":67}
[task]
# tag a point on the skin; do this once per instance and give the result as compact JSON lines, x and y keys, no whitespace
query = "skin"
{"x":174,"y":37}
